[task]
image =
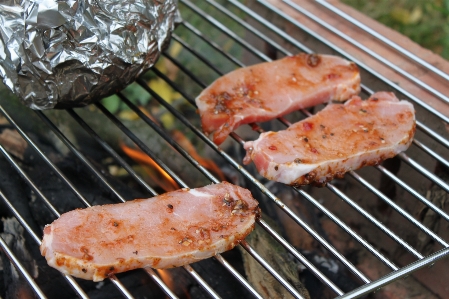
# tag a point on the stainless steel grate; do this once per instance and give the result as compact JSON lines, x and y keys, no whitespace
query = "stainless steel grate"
{"x":203,"y":35}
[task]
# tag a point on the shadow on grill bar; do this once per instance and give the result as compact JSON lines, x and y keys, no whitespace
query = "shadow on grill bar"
{"x":379,"y":231}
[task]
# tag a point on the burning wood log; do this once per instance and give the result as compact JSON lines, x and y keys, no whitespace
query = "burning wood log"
{"x":279,"y":259}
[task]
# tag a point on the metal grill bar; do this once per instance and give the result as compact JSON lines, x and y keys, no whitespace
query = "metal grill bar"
{"x":248,"y":27}
{"x":79,"y":155}
{"x":403,"y":272}
{"x":198,"y":55}
{"x":70,"y":280}
{"x":375,"y":222}
{"x":412,"y":191}
{"x":301,"y":258}
{"x":20,"y":219}
{"x":170,"y":140}
{"x":141,"y":145}
{"x":45,"y":158}
{"x":367,"y":50}
{"x":432,"y":134}
{"x":15,"y":261}
{"x":203,"y":283}
{"x":239,"y":277}
{"x":428,"y":151}
{"x":385,"y":40}
{"x":111,"y":151}
{"x":29,"y":181}
{"x":424,"y":171}
{"x":345,"y":227}
{"x":159,"y":281}
{"x":273,"y":272}
{"x":399,"y":209}
{"x":211,"y":43}
{"x":226,"y":30}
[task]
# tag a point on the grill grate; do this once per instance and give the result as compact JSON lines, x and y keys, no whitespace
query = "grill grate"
{"x":434,"y":145}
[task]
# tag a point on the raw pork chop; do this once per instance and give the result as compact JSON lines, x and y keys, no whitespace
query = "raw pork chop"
{"x":268,"y":90}
{"x":169,"y":230}
{"x":340,"y":138}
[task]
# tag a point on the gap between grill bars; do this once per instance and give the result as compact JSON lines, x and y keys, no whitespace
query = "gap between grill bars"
{"x":365,"y":284}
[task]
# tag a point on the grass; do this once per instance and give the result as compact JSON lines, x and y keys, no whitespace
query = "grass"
{"x":424,"y":21}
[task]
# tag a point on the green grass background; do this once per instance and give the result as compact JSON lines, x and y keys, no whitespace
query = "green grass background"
{"x":425,"y":21}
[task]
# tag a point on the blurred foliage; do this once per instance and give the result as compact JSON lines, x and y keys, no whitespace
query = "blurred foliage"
{"x":423,"y":21}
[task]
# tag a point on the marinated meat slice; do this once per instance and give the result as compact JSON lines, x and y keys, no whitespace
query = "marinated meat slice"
{"x":169,"y":230}
{"x":340,"y":138}
{"x":268,"y":90}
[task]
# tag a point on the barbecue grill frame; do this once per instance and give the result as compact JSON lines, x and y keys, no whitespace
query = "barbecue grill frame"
{"x":366,"y":287}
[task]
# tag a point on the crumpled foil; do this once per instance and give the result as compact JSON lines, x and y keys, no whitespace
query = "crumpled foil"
{"x":70,"y":53}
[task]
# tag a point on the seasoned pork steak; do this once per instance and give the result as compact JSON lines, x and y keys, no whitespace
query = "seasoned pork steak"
{"x":169,"y":230}
{"x":268,"y":90}
{"x":340,"y":138}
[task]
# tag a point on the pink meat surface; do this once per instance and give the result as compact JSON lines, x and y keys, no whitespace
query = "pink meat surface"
{"x":268,"y":90}
{"x":340,"y":138}
{"x":169,"y":230}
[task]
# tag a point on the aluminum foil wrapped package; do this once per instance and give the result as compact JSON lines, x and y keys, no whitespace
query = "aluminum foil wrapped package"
{"x":69,"y":53}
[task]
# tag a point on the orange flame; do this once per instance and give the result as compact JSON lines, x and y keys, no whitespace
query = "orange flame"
{"x":166,"y":182}
{"x":209,"y":164}
{"x":169,"y":279}
{"x":166,"y":278}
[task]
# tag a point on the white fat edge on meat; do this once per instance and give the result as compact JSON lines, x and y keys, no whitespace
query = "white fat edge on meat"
{"x":288,"y":173}
{"x":50,"y":254}
{"x":202,"y":105}
{"x":200,"y":194}
{"x":406,"y":103}
{"x":48,"y":240}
